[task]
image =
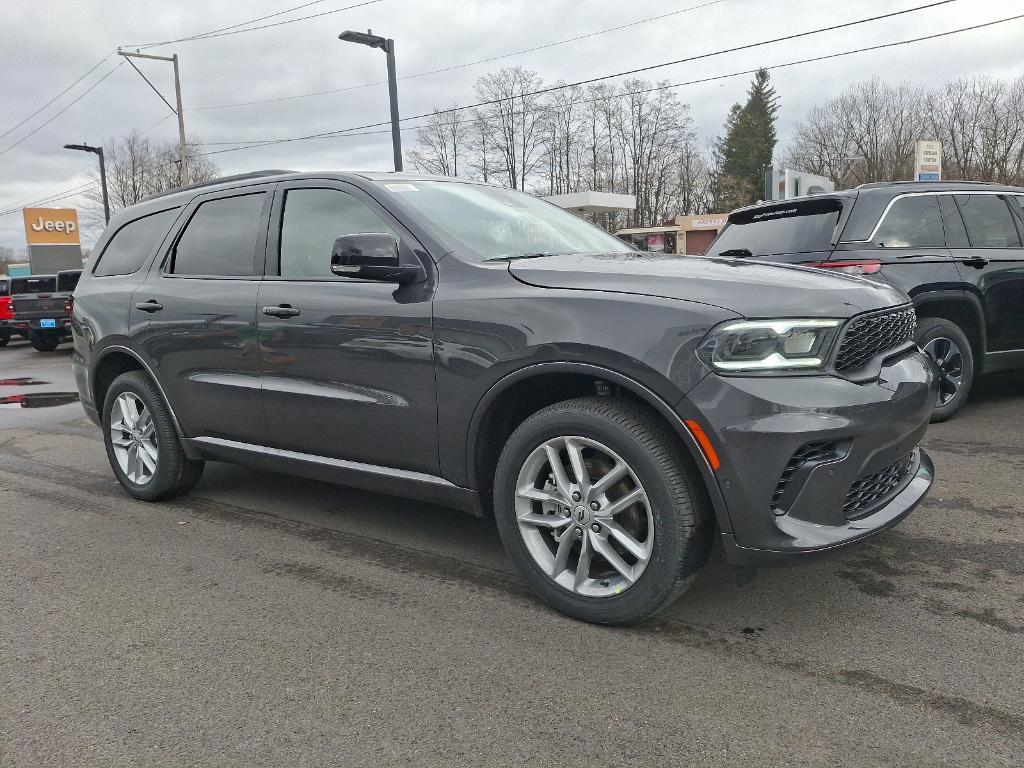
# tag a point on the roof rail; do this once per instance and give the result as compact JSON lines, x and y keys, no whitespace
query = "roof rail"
{"x":220,"y":180}
{"x":958,"y":182}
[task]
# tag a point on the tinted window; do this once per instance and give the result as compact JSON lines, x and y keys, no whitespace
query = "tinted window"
{"x":220,"y":239}
{"x":912,"y":222}
{"x":313,"y":219}
{"x":791,"y":228}
{"x":134,"y":243}
{"x":5,"y":287}
{"x":68,"y":281}
{"x":989,"y":222}
{"x":35,"y":284}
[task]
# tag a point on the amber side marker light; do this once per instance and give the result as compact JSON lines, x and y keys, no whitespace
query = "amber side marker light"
{"x":849,"y":267}
{"x":705,"y":444}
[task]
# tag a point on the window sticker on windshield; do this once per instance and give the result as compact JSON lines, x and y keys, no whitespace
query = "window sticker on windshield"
{"x":401,"y":187}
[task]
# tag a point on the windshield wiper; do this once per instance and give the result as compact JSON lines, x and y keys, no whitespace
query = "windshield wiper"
{"x":738,"y":253}
{"x":523,"y":256}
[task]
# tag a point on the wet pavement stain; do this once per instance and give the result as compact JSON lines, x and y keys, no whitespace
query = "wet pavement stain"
{"x":22,"y":382}
{"x":38,"y":400}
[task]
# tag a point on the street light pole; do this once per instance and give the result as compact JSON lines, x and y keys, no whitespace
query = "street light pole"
{"x":183,"y":167}
{"x":388,"y":46}
{"x":98,"y":151}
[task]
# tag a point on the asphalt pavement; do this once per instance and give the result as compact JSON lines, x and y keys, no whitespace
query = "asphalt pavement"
{"x":266,"y":620}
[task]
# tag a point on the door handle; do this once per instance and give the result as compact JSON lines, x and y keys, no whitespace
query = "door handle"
{"x":149,"y":306}
{"x":974,"y":261}
{"x":282,"y":310}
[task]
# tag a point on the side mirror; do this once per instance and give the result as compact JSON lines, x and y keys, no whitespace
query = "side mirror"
{"x":371,"y":256}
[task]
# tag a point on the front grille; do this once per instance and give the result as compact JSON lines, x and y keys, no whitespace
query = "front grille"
{"x":866,"y":337}
{"x":868,"y":491}
{"x":819,"y":451}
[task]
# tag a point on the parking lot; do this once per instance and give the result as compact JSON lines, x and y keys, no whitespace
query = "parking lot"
{"x":268,"y":620}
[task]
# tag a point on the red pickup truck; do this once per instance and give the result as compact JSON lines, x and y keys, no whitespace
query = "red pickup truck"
{"x":41,"y":307}
{"x":7,"y":314}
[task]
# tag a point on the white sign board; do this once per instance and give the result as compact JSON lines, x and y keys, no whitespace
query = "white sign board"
{"x":927,"y":161}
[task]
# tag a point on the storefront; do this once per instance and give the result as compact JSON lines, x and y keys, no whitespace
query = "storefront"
{"x":687,"y":235}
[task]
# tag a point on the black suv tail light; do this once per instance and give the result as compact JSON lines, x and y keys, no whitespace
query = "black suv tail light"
{"x":851,"y":267}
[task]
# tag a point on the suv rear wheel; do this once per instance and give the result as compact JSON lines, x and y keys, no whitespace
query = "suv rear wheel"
{"x":142,"y":444}
{"x":949,"y":347}
{"x":600,"y":510}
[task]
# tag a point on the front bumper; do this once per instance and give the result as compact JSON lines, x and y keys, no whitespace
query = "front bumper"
{"x":812,"y":463}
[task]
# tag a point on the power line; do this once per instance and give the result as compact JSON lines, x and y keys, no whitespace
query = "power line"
{"x":232,"y":26}
{"x":21,"y":203}
{"x":62,"y":111}
{"x":211,"y":35}
{"x":53,"y":198}
{"x":466,"y":64}
{"x":550,"y":89}
{"x":91,"y":70}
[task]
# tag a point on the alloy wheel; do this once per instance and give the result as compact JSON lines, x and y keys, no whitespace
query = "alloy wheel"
{"x":584,"y":516}
{"x":949,"y":360}
{"x":133,"y":435}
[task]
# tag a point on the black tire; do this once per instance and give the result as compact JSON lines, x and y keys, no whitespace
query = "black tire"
{"x":43,"y":341}
{"x":5,"y":337}
{"x":931,"y":331}
{"x":175,"y":473}
{"x":681,"y":510}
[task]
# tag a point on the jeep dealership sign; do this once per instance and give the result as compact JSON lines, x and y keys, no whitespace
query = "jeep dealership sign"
{"x":51,"y":226}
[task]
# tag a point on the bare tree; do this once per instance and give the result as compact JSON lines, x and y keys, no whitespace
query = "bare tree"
{"x":513,"y":118}
{"x":138,"y":167}
{"x":442,"y":143}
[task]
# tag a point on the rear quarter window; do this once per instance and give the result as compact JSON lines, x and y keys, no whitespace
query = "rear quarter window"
{"x":133,"y":243}
{"x":795,"y":228}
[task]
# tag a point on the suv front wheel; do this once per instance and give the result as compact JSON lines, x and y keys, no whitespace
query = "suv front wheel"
{"x":600,"y":510}
{"x":142,"y":443}
{"x":949,"y":347}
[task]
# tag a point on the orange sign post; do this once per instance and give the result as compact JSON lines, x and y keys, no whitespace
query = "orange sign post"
{"x":51,"y":226}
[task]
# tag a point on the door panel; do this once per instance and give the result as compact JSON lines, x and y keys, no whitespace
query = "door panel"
{"x":993,"y":266}
{"x":351,"y":376}
{"x":198,"y":331}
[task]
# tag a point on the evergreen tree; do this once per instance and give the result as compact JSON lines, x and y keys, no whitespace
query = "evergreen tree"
{"x":746,"y":151}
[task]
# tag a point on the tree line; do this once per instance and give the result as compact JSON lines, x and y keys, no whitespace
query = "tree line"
{"x":867,"y":132}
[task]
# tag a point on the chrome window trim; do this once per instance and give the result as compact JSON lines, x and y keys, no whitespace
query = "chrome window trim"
{"x":891,"y":203}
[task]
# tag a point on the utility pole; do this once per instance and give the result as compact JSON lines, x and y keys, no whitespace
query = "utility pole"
{"x":183,"y":167}
{"x":388,"y":46}
{"x":98,"y":151}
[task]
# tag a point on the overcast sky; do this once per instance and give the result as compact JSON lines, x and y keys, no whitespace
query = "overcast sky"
{"x":46,"y":45}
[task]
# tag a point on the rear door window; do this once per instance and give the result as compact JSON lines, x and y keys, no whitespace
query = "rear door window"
{"x":133,"y":243}
{"x":220,"y":239}
{"x":988,"y":221}
{"x":911,"y":222}
{"x":804,"y":227}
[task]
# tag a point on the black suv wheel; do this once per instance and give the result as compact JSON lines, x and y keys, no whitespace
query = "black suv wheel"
{"x":142,"y":444}
{"x":600,"y":510}
{"x":950,"y":348}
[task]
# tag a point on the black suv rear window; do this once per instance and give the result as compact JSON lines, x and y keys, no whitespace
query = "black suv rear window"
{"x":803,"y":227}
{"x":68,"y":281}
{"x":133,"y":243}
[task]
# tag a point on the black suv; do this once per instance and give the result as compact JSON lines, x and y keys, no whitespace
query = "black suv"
{"x":476,"y":347}
{"x":954,"y":247}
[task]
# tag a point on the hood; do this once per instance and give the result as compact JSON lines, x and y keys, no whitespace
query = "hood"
{"x":748,"y":288}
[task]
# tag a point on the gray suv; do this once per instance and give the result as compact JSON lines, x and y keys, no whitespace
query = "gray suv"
{"x":473,"y":346}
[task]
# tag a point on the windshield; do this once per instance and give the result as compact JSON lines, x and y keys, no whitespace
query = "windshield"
{"x":803,"y":227}
{"x":497,"y":223}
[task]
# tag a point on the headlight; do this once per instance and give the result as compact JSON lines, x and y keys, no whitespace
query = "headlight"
{"x":768,"y":346}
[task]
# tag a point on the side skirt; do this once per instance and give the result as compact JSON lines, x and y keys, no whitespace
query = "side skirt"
{"x":369,"y":477}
